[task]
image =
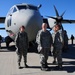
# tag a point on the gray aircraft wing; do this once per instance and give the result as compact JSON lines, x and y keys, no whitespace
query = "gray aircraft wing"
{"x":2,"y":20}
{"x":68,"y":21}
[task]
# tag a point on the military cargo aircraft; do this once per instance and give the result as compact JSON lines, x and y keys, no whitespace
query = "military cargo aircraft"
{"x":29,"y":16}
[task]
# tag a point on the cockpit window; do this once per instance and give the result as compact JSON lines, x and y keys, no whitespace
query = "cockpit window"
{"x":14,"y":9}
{"x":21,"y":7}
{"x":27,"y":7}
{"x":11,"y":11}
{"x":32,"y":7}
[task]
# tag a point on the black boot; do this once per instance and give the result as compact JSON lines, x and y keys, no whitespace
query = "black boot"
{"x":26,"y":65}
{"x":54,"y":62}
{"x":43,"y":68}
{"x":46,"y":65}
{"x":19,"y":65}
{"x":60,"y":67}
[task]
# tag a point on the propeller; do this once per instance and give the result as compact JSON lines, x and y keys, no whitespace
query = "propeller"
{"x":59,"y":18}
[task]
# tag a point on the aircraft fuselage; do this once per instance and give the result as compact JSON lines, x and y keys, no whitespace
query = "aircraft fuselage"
{"x":26,"y":15}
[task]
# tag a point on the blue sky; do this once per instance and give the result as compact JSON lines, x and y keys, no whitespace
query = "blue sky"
{"x":47,"y":9}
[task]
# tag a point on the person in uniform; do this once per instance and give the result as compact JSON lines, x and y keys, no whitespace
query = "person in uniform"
{"x":0,"y":41}
{"x":44,"y":41}
{"x":72,"y":38}
{"x":21,"y":41}
{"x":58,"y":45}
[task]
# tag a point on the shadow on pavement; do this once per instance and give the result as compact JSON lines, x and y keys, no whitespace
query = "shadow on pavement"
{"x":13,"y":48}
{"x":9,"y":49}
{"x":70,"y":54}
{"x":68,"y":66}
{"x":69,"y":69}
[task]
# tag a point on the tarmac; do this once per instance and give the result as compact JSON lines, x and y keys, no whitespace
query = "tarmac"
{"x":9,"y":66}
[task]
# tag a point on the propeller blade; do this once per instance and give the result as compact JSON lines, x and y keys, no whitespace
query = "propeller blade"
{"x":57,"y":14}
{"x":63,"y":13}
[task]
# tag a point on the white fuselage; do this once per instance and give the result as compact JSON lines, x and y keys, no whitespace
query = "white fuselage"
{"x":29,"y":18}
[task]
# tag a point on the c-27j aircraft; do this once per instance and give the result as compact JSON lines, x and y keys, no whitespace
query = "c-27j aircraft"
{"x":29,"y":16}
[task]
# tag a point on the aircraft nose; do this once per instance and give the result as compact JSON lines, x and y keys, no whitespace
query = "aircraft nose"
{"x":32,"y":21}
{"x":33,"y":25}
